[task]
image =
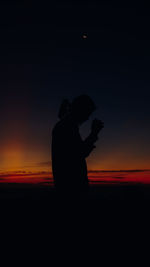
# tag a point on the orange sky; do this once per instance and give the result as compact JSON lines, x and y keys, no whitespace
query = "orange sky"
{"x":21,"y":154}
{"x":17,"y":156}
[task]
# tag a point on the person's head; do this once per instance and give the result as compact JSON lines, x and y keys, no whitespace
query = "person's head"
{"x":82,"y":107}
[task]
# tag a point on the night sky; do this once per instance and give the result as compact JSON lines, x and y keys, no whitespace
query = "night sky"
{"x":45,"y":58}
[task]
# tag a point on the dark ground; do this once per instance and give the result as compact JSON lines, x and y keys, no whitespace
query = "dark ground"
{"x":109,"y":221}
{"x":101,"y":200}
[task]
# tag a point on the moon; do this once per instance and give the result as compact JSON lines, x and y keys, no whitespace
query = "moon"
{"x":84,"y":36}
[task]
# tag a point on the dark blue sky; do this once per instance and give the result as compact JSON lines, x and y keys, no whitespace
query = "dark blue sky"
{"x":45,"y":59}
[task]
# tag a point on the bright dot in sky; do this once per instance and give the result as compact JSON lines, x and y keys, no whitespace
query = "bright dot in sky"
{"x":84,"y":36}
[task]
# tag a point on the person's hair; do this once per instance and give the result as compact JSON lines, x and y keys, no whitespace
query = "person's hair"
{"x":79,"y":104}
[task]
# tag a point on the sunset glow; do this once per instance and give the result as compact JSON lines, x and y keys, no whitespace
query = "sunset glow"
{"x":95,"y":177}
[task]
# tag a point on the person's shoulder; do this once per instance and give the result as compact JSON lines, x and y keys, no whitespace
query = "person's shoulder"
{"x":56,"y":127}
{"x":60,"y":125}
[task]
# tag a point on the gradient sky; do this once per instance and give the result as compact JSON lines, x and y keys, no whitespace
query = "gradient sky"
{"x":44,"y":58}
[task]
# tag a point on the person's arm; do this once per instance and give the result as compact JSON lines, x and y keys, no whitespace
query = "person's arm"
{"x":88,"y":143}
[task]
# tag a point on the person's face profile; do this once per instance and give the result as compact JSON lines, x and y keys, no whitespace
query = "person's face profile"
{"x":85,"y":116}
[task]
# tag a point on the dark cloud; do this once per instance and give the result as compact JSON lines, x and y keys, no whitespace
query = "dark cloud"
{"x":118,"y":177}
{"x":24,"y":174}
{"x":108,"y":183}
{"x":118,"y":171}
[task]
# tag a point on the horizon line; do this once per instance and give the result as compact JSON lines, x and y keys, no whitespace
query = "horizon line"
{"x":19,"y":172}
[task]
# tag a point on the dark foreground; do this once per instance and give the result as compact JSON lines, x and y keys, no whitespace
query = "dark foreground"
{"x":101,"y":201}
{"x":109,"y":221}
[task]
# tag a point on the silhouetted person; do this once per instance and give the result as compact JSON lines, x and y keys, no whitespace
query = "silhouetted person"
{"x":69,"y":151}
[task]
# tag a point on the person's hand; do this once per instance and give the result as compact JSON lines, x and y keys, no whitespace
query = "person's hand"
{"x":97,"y":125}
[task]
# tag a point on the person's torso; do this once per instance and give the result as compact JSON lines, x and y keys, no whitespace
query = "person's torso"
{"x":69,"y":167}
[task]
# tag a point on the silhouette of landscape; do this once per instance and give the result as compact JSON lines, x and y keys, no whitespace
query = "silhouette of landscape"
{"x":34,"y":211}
